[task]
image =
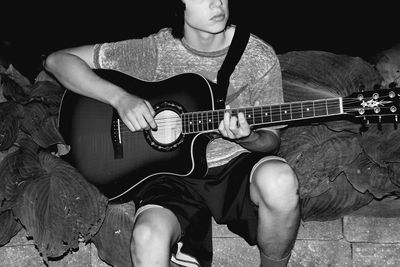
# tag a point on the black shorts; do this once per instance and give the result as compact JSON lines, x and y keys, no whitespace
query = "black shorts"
{"x":223,"y":193}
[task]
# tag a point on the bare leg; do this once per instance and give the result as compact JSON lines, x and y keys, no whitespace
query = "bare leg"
{"x":154,"y":233}
{"x":274,"y":189}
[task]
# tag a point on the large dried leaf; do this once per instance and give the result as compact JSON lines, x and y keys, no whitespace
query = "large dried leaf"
{"x":304,"y":137}
{"x":381,"y":145}
{"x":12,"y":90}
{"x":318,"y":74}
{"x":341,"y":199}
{"x":367,"y":176}
{"x":40,"y":125}
{"x":48,"y":93}
{"x":113,"y":239}
{"x":10,"y":115}
{"x":318,"y":154}
{"x":9,"y":227}
{"x":395,"y":167}
{"x":20,"y":79}
{"x":45,"y":76}
{"x":2,"y":96}
{"x":60,"y":207}
{"x":15,"y":169}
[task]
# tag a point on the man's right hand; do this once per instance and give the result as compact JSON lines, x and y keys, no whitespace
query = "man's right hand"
{"x":135,"y":112}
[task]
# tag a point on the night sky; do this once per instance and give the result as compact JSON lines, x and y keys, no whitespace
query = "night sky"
{"x":342,"y":28}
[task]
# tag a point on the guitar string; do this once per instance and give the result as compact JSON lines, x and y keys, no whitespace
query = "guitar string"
{"x":187,"y":118}
{"x":191,"y":124}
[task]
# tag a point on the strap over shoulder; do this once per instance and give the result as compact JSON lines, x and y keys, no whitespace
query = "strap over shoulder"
{"x":236,"y":49}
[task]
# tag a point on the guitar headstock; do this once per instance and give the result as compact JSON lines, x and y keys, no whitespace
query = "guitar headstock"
{"x":379,"y":106}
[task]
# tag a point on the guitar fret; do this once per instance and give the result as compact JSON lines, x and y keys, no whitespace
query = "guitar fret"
{"x":333,"y":106}
{"x":258,"y":115}
{"x":195,"y":128}
{"x":219,"y":117}
{"x":276,"y":113}
{"x":296,"y":111}
{"x":210,"y":118}
{"x":248,"y":115}
{"x":321,"y":108}
{"x":198,"y":121}
{"x":286,"y":113}
{"x":313,"y":108}
{"x":184,"y":123}
{"x":308,"y":110}
{"x":266,"y":111}
{"x":204,"y":123}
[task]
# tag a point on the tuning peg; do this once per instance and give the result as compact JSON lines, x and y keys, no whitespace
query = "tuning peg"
{"x":395,"y":122}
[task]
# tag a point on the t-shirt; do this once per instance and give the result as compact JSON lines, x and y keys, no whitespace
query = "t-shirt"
{"x":257,"y":76}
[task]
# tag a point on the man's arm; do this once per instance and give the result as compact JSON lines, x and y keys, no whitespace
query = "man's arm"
{"x":238,"y":130}
{"x":73,"y":69}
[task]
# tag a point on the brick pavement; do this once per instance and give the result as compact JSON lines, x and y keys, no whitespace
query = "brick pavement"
{"x":360,"y":239}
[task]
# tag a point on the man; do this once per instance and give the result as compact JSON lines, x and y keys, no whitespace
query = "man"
{"x":255,"y":194}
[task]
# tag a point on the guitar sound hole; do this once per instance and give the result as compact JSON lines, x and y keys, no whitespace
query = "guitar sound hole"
{"x":169,"y":128}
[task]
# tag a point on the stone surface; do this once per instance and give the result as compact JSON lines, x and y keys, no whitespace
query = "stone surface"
{"x":367,"y":254}
{"x":350,"y":241}
{"x":327,"y":230}
{"x":312,"y":253}
{"x":21,"y":256}
{"x":79,"y":258}
{"x":371,"y":229}
{"x":229,"y":252}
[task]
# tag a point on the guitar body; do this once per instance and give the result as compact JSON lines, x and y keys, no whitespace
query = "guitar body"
{"x":115,"y":159}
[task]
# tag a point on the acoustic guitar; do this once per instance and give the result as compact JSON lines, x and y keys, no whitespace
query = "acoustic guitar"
{"x":117,"y":160}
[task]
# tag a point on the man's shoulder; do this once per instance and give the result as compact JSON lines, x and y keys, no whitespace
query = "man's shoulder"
{"x":163,"y":35}
{"x":258,"y":47}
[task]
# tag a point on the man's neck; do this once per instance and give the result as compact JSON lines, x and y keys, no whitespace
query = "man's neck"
{"x":209,"y":42}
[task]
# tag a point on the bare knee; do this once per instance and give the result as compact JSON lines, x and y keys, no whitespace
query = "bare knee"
{"x":275,"y":184}
{"x":154,"y":233}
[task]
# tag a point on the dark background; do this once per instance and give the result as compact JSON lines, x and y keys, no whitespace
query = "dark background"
{"x":357,"y":29}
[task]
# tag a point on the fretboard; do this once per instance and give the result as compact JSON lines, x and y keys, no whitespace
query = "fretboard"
{"x":201,"y":121}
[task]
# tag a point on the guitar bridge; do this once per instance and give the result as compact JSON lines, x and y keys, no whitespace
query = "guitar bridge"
{"x":116,"y":136}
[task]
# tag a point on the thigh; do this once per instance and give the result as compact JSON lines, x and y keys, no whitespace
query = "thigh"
{"x":174,"y":194}
{"x":228,"y":195}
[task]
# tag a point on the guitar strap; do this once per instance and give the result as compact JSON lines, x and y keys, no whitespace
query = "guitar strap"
{"x":233,"y":56}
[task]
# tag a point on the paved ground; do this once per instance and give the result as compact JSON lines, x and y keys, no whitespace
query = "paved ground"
{"x":369,"y":237}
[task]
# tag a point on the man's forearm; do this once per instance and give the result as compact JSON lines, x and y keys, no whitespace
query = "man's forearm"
{"x":261,"y":140}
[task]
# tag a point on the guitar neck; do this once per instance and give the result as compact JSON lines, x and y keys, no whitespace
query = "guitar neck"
{"x":277,"y":114}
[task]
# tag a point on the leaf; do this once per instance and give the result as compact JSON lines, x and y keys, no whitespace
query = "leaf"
{"x":367,"y":176}
{"x":9,"y":227}
{"x":42,"y":127}
{"x":381,"y":145}
{"x":339,"y":200}
{"x":60,"y":207}
{"x":48,"y":93}
{"x":317,"y":154}
{"x":20,"y":79}
{"x":310,"y":75}
{"x":15,"y":169}
{"x":10,"y":115}
{"x":113,"y":239}
{"x":12,"y":91}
